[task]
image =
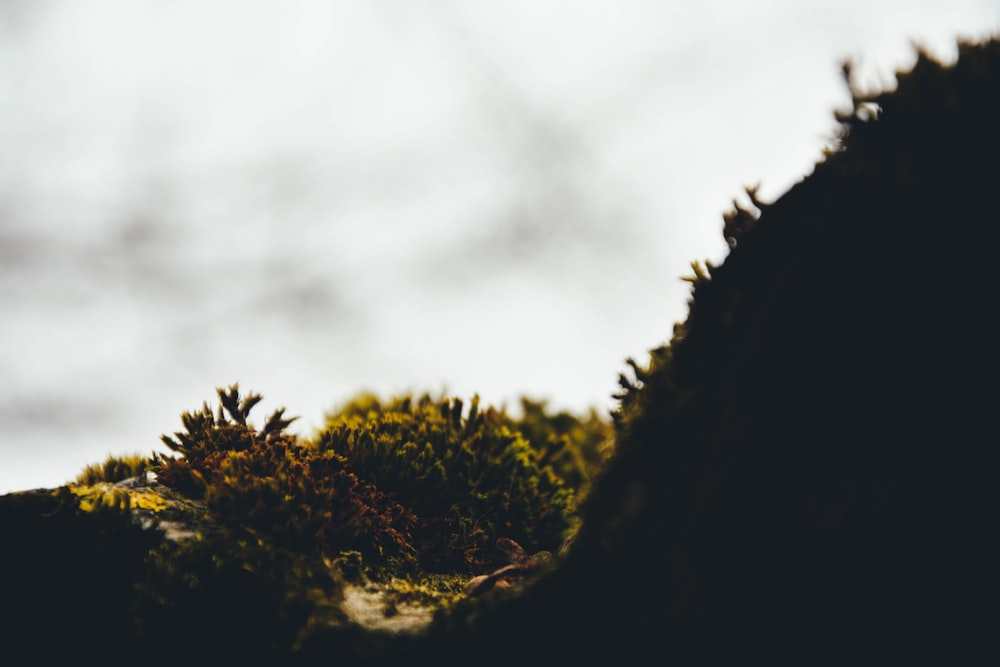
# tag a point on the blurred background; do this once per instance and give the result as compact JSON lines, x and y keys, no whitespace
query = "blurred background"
{"x":318,"y":198}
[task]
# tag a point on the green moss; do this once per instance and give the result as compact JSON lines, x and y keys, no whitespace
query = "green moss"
{"x":576,"y":447}
{"x":412,"y":479}
{"x":115,"y":469}
{"x":438,"y":591}
{"x":394,"y":502}
{"x":468,"y":476}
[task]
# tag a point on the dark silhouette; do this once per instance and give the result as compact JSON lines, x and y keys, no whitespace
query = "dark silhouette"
{"x":809,"y":469}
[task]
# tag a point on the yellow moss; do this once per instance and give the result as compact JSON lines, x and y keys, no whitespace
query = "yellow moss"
{"x":148,"y":501}
{"x":114,"y":469}
{"x":436,"y":590}
{"x":100,"y":495}
{"x":104,"y":495}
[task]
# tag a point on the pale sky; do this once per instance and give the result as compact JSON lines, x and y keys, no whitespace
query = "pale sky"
{"x":315,"y":198}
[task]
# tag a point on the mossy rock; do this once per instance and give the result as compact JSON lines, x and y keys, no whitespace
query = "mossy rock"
{"x":806,"y":471}
{"x":256,"y":544}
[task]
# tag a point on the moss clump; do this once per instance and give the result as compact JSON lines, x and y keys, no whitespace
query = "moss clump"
{"x":468,"y":477}
{"x":268,"y":482}
{"x":577,"y":448}
{"x":412,"y":480}
{"x":115,"y":469}
{"x":386,"y":510}
{"x":434,"y":592}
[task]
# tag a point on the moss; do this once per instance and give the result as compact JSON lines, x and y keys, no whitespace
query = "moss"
{"x":576,"y":447}
{"x":396,"y":501}
{"x":468,"y":476}
{"x":438,"y":591}
{"x":105,"y":495}
{"x":115,"y":469}
{"x":808,"y":467}
{"x":414,"y":479}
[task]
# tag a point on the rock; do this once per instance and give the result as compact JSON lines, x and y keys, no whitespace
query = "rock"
{"x":520,"y":568}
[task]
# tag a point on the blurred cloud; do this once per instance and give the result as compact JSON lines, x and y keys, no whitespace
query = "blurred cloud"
{"x":313,"y":198}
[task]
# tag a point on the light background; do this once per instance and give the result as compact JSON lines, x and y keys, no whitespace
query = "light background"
{"x":315,"y":198}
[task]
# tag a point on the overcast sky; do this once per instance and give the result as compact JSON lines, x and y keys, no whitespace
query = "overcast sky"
{"x":315,"y":198}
